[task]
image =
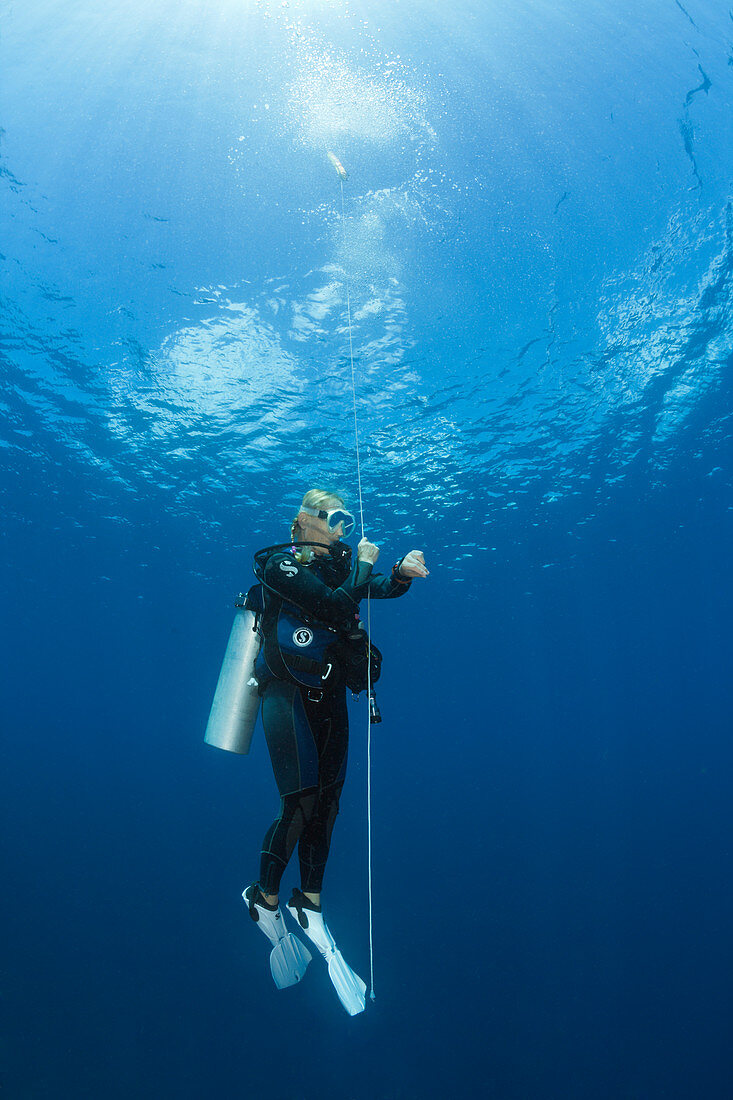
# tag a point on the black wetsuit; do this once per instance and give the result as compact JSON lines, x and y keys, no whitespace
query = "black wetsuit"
{"x":308,"y":736}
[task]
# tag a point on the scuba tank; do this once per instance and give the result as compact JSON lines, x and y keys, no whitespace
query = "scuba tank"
{"x":236,"y":700}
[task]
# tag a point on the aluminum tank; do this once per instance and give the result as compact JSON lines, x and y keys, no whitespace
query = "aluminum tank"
{"x":236,"y":702}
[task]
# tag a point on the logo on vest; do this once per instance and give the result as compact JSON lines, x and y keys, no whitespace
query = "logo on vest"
{"x":289,"y":567}
{"x":303,"y":636}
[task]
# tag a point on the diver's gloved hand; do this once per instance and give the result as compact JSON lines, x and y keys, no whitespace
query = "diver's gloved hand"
{"x":413,"y":565}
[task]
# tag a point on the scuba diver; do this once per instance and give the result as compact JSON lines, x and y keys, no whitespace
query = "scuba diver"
{"x":314,"y":647}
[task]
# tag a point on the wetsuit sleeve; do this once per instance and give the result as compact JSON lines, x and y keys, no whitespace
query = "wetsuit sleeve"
{"x":385,"y":588}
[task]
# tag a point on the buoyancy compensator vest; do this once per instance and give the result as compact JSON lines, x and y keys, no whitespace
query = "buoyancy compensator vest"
{"x":297,"y":644}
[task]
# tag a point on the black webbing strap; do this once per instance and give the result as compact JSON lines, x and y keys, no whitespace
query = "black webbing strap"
{"x":306,"y":664}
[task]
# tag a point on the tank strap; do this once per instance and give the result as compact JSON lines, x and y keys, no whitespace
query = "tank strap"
{"x":252,"y":601}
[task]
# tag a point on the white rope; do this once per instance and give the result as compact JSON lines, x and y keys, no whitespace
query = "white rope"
{"x":351,"y":358}
{"x":369,"y":613}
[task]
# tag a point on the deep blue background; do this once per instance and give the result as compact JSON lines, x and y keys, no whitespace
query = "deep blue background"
{"x":538,"y":244}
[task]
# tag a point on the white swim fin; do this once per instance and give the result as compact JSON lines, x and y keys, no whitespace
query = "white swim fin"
{"x":289,"y":957}
{"x":349,"y":986}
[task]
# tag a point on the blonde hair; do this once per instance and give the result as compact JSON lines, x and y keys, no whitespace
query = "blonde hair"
{"x":316,"y":498}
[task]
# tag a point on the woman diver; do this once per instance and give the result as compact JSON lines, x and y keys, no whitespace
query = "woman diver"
{"x":313,"y":648}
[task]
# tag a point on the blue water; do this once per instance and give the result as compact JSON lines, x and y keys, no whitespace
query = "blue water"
{"x":538,"y":241}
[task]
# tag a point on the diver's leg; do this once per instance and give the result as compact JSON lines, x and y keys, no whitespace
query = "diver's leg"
{"x":294,"y":757}
{"x":315,"y":842}
{"x":330,"y":725}
{"x":331,"y":731}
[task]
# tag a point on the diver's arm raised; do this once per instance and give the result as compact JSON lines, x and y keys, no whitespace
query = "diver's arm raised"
{"x":396,"y":584}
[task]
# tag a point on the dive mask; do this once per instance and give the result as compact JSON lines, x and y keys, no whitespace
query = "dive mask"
{"x":333,"y":518}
